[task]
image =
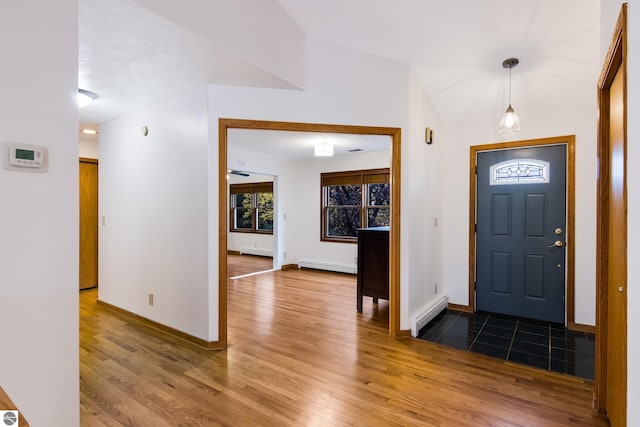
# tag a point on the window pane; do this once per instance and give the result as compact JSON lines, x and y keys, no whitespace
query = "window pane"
{"x":519,"y":171}
{"x":264,"y":203}
{"x":344,"y":195}
{"x":377,"y":217}
{"x":243,"y":218}
{"x":242,"y":200}
{"x":343,"y":222}
{"x":379,"y":195}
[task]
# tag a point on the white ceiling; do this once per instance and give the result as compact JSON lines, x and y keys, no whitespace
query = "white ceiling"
{"x":132,"y":57}
{"x":291,"y":145}
{"x":456,"y":48}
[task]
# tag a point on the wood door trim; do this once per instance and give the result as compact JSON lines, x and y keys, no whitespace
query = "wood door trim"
{"x":88,"y":160}
{"x":569,"y":141}
{"x":615,"y":59}
{"x":394,"y":234}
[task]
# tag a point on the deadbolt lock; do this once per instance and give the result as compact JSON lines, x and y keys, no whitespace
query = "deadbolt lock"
{"x":558,"y":231}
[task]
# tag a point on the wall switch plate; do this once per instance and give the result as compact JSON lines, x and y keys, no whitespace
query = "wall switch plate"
{"x":150,"y":299}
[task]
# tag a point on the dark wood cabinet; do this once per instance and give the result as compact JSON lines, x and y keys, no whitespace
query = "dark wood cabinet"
{"x":373,"y":264}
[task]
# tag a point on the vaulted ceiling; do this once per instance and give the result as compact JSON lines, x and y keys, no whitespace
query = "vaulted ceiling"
{"x":134,"y":52}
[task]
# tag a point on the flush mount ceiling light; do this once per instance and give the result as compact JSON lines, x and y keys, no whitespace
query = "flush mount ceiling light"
{"x":89,"y":131}
{"x":323,"y":150}
{"x":85,"y":97}
{"x":510,"y":124}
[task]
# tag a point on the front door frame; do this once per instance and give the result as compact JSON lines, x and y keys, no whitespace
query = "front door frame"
{"x":394,"y":232}
{"x":569,"y":141}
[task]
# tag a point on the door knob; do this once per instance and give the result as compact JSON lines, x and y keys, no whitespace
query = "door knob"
{"x":556,"y":244}
{"x":620,"y":289}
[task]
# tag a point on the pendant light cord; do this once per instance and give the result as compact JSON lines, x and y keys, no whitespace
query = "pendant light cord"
{"x":510,"y":86}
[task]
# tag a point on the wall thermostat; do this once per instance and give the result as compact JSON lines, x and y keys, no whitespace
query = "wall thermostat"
{"x":26,"y":157}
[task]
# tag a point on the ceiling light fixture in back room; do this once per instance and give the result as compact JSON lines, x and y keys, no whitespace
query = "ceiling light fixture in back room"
{"x":510,"y":124}
{"x":85,"y":97}
{"x":324,"y":149}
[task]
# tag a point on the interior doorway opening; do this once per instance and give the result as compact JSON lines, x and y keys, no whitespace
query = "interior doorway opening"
{"x":225,"y":125}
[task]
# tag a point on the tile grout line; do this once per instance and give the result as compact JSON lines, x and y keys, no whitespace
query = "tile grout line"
{"x":513,"y":338}
{"x":479,"y":332}
{"x":549,"y":359}
{"x":444,"y":331}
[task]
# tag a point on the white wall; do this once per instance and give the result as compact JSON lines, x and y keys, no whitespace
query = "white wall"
{"x":342,"y":87}
{"x":300,"y":186}
{"x":240,"y":241}
{"x":610,"y":11}
{"x":423,"y":205}
{"x":263,"y":164}
{"x":39,"y":212}
{"x":153,"y":196}
{"x":455,"y":211}
{"x":89,"y":147}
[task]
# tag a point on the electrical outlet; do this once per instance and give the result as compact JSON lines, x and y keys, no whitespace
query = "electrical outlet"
{"x":150,"y":299}
{"x":435,"y":288}
{"x":284,"y":255}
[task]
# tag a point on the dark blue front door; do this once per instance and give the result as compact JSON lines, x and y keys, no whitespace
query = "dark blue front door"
{"x":520,"y":234}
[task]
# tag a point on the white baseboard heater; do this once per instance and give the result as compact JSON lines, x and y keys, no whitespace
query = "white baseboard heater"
{"x":256,"y":251}
{"x":428,"y":312}
{"x":328,"y":266}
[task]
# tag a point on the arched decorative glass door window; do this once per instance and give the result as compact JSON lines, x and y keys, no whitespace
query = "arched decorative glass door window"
{"x":519,"y":171}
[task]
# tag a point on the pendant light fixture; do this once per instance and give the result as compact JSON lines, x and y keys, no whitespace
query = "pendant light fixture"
{"x":510,"y":123}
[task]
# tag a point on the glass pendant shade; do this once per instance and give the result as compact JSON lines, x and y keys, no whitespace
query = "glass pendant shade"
{"x":510,"y":123}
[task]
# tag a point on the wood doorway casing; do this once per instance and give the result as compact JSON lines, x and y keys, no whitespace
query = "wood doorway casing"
{"x":569,"y":141}
{"x":606,"y":321}
{"x":394,"y":234}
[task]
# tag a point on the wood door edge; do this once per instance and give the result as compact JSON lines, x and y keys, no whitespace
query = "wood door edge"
{"x":616,"y":57}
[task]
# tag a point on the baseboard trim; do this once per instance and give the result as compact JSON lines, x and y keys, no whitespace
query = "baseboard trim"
{"x":257,"y":252}
{"x":579,"y":327}
{"x":208,"y":345}
{"x":230,"y":252}
{"x":289,"y":267}
{"x":458,"y":307}
{"x":328,"y":266}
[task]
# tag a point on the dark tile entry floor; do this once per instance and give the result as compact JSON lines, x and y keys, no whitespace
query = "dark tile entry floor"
{"x":530,"y":342}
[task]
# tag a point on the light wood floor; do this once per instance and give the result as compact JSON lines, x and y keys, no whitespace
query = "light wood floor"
{"x":300,"y":355}
{"x":238,"y":265}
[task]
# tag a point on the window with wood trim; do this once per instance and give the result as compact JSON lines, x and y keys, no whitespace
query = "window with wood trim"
{"x":352,"y":200}
{"x":251,"y":207}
